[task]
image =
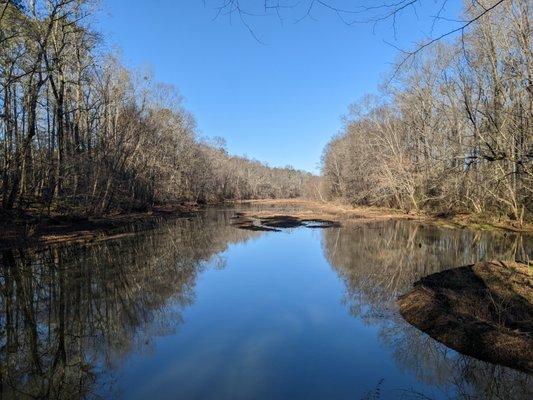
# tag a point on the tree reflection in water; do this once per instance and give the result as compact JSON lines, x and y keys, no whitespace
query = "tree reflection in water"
{"x":70,"y":315}
{"x":380,"y":261}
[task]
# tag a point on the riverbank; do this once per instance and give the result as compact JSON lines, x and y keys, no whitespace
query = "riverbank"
{"x":483,"y":310}
{"x":32,"y":230}
{"x":342,"y":213}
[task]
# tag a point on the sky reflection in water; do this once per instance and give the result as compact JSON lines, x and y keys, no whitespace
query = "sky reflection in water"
{"x":198,"y":309}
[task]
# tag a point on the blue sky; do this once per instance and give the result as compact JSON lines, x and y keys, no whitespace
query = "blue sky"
{"x":279,"y":101}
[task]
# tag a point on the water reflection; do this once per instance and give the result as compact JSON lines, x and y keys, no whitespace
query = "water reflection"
{"x":380,"y":261}
{"x":70,"y":318}
{"x":70,"y":315}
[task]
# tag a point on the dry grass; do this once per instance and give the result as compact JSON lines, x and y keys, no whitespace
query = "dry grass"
{"x":483,"y":310}
{"x":344,"y":213}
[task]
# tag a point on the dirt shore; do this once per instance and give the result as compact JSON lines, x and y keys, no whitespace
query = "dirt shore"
{"x":342,"y":213}
{"x":31,"y":230}
{"x":483,"y":310}
{"x":265,"y":222}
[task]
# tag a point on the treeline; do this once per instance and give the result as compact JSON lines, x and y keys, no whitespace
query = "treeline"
{"x":78,"y":131}
{"x":453,"y":132}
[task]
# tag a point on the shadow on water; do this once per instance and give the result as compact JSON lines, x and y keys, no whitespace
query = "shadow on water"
{"x":380,"y":261}
{"x":70,"y":316}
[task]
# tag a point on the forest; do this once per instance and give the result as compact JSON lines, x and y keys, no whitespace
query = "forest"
{"x":132,"y":263}
{"x":452,"y":129}
{"x":80,"y":133}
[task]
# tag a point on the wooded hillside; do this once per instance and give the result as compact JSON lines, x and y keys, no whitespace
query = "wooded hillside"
{"x":81,"y":133}
{"x":453,"y":131}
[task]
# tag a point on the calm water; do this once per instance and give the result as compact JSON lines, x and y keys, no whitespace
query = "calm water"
{"x":197,"y":309}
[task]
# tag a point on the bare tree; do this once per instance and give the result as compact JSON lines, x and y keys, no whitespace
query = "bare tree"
{"x":81,"y":134}
{"x":453,"y":133}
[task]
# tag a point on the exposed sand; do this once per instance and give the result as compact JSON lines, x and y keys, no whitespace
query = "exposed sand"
{"x":262,"y":221}
{"x":342,"y":213}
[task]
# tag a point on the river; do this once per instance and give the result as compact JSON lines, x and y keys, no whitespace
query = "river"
{"x":198,"y":309}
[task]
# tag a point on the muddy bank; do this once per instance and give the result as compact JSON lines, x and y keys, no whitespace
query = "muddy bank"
{"x":345,"y":213}
{"x":275,"y":222}
{"x":32,"y":230}
{"x":483,"y":310}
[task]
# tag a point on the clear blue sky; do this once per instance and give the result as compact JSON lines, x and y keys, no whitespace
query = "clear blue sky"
{"x":278,"y":102}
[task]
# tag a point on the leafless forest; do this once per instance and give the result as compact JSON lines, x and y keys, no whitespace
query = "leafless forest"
{"x":81,"y":133}
{"x":452,"y":131}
